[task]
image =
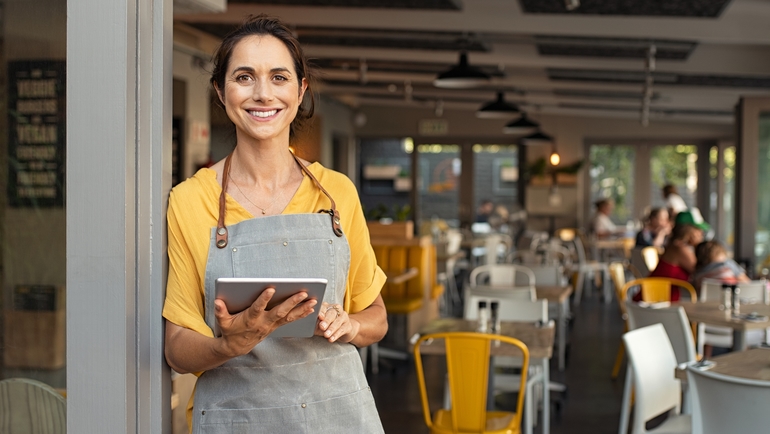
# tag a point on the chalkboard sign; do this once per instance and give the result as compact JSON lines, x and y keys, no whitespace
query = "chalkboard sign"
{"x":36,"y":133}
{"x":37,"y":297}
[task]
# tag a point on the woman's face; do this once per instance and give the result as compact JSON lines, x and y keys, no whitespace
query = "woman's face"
{"x":262,"y":92}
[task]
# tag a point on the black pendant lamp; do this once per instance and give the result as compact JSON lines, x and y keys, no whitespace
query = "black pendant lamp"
{"x":521,"y":126}
{"x":537,"y":138}
{"x":498,"y":108}
{"x":461,"y":76}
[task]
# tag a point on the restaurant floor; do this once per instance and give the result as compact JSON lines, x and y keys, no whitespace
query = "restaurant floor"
{"x":590,"y":405}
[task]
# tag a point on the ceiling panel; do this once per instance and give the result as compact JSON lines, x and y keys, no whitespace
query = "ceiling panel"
{"x":669,"y":8}
{"x":613,"y":47}
{"x":659,"y":78}
{"x":399,"y":4}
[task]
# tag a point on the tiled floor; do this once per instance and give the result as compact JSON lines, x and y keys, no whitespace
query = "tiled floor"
{"x":590,"y":405}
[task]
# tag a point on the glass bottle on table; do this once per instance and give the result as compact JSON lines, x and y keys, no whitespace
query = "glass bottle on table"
{"x":483,"y":318}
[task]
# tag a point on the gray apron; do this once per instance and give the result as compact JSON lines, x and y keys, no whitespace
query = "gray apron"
{"x":284,"y":385}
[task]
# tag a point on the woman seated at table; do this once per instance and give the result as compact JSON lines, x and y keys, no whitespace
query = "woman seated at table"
{"x":713,"y":263}
{"x":656,"y":229}
{"x":601,"y":225}
{"x":678,"y":259}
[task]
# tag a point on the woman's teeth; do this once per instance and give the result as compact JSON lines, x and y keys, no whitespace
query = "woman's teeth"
{"x":263,"y":114}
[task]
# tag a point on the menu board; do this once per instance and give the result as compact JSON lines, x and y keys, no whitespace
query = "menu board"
{"x":36,"y":133}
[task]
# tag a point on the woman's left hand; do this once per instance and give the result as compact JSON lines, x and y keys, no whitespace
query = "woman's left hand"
{"x":335,"y":324}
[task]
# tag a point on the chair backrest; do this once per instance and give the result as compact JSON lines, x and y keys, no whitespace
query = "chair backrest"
{"x":710,"y":290}
{"x":29,"y":406}
{"x":723,"y":404}
{"x":578,"y":239}
{"x":674,"y":320}
{"x":468,"y":357}
{"x":652,"y":362}
{"x":637,"y":260}
{"x":507,"y":275}
{"x":754,"y":292}
{"x":454,"y":239}
{"x":650,"y":255}
{"x":655,"y":289}
{"x":548,"y":275}
{"x":515,"y":304}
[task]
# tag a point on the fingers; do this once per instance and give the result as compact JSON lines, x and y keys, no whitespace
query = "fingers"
{"x":335,"y":324}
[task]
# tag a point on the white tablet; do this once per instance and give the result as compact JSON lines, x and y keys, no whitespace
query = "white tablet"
{"x":239,"y":293}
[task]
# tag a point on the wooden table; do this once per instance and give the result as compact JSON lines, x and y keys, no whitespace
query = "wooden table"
{"x":558,"y":295}
{"x":753,"y":364}
{"x":709,"y":312}
{"x":538,"y":339}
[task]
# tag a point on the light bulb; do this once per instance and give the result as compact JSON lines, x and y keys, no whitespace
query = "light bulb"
{"x":555,"y":158}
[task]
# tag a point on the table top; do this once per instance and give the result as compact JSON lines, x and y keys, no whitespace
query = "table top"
{"x":554,"y":294}
{"x":753,"y":364}
{"x":709,"y":312}
{"x":538,"y":339}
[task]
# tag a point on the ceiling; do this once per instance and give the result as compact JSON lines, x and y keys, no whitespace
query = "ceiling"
{"x":588,"y":61}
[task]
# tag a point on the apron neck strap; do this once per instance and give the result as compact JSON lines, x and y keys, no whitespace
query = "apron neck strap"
{"x":222,"y":229}
{"x":335,"y":215}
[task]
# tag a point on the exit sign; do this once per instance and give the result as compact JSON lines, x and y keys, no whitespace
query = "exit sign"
{"x":433,"y":127}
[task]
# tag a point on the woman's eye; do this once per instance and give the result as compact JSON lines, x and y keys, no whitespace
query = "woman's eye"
{"x":243,"y":78}
{"x":280,"y":78}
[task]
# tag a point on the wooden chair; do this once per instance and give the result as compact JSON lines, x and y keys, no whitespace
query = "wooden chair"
{"x":618,"y":276}
{"x":468,"y":361}
{"x":31,"y":407}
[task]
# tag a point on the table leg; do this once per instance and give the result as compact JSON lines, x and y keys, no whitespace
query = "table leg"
{"x":562,"y":338}
{"x":546,"y":398}
{"x":739,"y":340}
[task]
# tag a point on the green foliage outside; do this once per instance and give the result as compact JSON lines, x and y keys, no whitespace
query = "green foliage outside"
{"x":612,"y":177}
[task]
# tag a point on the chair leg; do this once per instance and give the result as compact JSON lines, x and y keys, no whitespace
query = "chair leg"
{"x":625,"y":406}
{"x":618,"y":362}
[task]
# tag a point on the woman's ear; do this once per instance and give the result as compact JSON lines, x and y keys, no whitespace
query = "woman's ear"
{"x":220,"y":95}
{"x":302,"y":89}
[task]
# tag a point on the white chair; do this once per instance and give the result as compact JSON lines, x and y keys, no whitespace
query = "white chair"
{"x":726,"y":404}
{"x":651,"y":374}
{"x":548,"y":275}
{"x":513,"y":308}
{"x":674,"y":320}
{"x":29,"y":406}
{"x":583,"y":267}
{"x":722,"y":337}
{"x":677,"y":326}
{"x":507,"y":275}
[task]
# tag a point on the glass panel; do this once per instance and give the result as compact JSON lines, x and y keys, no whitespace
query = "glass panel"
{"x":612,"y":176}
{"x":33,"y":258}
{"x":439,"y":190}
{"x":762,"y":246}
{"x":676,"y":165}
{"x":495,"y":180}
{"x":386,"y":178}
{"x":728,"y":200}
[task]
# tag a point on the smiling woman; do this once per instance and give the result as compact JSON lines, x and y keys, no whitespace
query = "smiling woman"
{"x":278,"y":220}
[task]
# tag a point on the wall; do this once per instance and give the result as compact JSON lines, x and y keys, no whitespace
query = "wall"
{"x":570,"y":132}
{"x":189,"y":68}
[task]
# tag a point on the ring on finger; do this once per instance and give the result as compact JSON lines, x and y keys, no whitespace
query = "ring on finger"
{"x":335,"y":307}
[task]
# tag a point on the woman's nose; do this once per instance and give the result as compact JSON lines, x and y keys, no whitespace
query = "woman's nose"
{"x":262,"y":91}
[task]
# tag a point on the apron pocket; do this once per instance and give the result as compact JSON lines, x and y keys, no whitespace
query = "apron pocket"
{"x":354,"y":413}
{"x":253,"y":421}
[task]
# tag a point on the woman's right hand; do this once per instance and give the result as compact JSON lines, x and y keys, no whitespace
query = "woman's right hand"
{"x":244,"y":330}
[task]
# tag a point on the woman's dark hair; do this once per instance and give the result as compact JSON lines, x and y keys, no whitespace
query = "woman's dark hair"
{"x":669,"y":189}
{"x":682,"y":232}
{"x":259,"y":25}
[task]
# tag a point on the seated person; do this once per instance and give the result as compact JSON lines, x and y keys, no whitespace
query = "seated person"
{"x":484,"y":211}
{"x":678,"y":259}
{"x":674,"y":201}
{"x":713,"y":263}
{"x":656,"y":229}
{"x":601,"y":224}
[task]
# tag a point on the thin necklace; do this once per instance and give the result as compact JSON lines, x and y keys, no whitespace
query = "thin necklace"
{"x":264,"y":210}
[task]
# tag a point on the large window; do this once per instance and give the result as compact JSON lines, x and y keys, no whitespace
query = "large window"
{"x":762,"y":246}
{"x":439,"y":179}
{"x":612,"y":177}
{"x":675,"y":165}
{"x":33,"y":258}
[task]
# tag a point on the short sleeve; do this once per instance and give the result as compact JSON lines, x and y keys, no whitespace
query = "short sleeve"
{"x":184,"y":305}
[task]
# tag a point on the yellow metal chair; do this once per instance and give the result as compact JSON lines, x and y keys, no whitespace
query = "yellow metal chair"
{"x":468,"y":362}
{"x":618,"y":276}
{"x":657,"y":289}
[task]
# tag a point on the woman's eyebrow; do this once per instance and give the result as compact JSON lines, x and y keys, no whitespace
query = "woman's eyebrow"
{"x":251,"y":70}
